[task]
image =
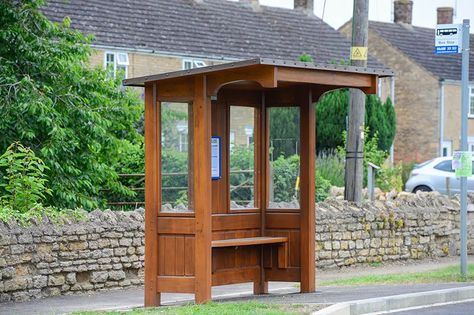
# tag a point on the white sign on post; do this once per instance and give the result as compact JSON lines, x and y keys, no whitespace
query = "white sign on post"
{"x":448,"y":39}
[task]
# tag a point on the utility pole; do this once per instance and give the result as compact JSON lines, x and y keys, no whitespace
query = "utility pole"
{"x":355,"y":135}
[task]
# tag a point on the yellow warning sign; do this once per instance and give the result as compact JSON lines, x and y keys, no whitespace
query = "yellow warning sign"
{"x":359,"y":53}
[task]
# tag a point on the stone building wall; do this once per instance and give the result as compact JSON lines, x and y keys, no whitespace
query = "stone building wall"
{"x":417,"y":106}
{"x":106,"y":250}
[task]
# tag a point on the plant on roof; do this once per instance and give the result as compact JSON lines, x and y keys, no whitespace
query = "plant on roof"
{"x":77,"y":120}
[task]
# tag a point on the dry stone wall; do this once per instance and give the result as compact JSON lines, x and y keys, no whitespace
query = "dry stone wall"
{"x":106,"y":250}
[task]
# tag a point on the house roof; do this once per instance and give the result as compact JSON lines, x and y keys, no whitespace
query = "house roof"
{"x":418,"y":44}
{"x":216,"y":29}
{"x":140,"y":81}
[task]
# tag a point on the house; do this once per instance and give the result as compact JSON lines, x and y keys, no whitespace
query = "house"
{"x":184,"y":34}
{"x":427,"y":86}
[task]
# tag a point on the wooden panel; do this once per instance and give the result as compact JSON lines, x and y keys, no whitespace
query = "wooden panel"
{"x":220,"y":187}
{"x":264,"y":75}
{"x":277,"y":220}
{"x":241,"y":98}
{"x":189,"y":255}
{"x":152,"y":193}
{"x":169,"y":253}
{"x":176,"y":225}
{"x":180,"y":256}
{"x":230,"y":276}
{"x":202,"y":189}
{"x":307,"y":219}
{"x":175,"y":284}
{"x":283,"y":255}
{"x":289,"y":274}
{"x":356,"y":80}
{"x":175,"y":90}
{"x":236,"y":221}
{"x":249,"y":241}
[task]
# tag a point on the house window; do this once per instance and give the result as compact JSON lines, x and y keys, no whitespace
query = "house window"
{"x":116,"y":62}
{"x":471,"y":101}
{"x":470,"y":144}
{"x":192,"y":63}
{"x":447,"y":148}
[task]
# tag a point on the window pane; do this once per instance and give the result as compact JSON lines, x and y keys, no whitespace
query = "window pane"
{"x":175,"y":157}
{"x":242,"y":157}
{"x":284,"y":157}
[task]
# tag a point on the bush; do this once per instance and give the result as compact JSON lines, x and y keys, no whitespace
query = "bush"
{"x":23,"y":187}
{"x":331,"y":166}
{"x":23,"y":183}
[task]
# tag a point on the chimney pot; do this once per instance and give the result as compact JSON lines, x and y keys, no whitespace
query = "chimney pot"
{"x":402,"y":11}
{"x":445,"y":15}
{"x":305,"y":5}
{"x":252,"y":3}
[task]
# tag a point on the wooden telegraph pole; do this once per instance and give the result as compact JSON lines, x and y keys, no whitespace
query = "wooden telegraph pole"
{"x":355,"y":134}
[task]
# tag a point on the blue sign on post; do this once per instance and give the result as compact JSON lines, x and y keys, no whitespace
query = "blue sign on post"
{"x":448,"y":39}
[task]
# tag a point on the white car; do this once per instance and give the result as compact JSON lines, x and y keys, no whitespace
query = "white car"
{"x":437,"y":175}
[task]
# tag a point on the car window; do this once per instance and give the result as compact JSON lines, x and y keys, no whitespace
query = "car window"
{"x":422,"y":164}
{"x":445,"y":166}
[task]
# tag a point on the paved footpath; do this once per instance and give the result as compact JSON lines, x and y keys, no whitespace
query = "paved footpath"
{"x":281,"y":292}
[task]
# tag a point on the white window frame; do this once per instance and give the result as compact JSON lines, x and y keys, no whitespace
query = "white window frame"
{"x":448,"y":145}
{"x":470,"y":144}
{"x":471,"y":101}
{"x":120,"y":61}
{"x":194,"y":63}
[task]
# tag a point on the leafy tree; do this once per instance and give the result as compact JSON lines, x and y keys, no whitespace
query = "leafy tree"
{"x":284,"y":130}
{"x":332,"y":111}
{"x":76,"y":119}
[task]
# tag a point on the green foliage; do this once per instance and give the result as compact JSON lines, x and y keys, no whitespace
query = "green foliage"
{"x":389,"y":178}
{"x":285,"y":172}
{"x":242,"y":174}
{"x":380,"y":118}
{"x":331,"y":166}
{"x":76,"y":119}
{"x":322,"y":187}
{"x":174,"y":162}
{"x":23,"y":186}
{"x":284,"y":131}
{"x":23,"y":183}
{"x":306,"y":58}
{"x":332,"y":113}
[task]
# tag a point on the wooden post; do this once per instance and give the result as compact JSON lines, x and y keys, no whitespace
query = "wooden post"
{"x":202,"y":189}
{"x":152,"y":193}
{"x":307,"y":195}
{"x":355,"y":135}
{"x":261,"y":287}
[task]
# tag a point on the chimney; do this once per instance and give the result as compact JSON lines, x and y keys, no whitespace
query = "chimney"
{"x":402,"y":11}
{"x":305,"y":5}
{"x":254,"y":4}
{"x":445,"y":15}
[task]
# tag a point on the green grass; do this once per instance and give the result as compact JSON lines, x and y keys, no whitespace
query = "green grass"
{"x":447,"y":274}
{"x":248,"y":308}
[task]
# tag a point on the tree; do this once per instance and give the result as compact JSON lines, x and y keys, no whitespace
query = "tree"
{"x":332,"y":111}
{"x":77,"y":120}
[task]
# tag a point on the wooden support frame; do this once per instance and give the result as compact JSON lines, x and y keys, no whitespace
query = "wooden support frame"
{"x":214,"y":245}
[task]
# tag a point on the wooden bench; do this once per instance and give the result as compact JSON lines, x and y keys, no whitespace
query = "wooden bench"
{"x":282,"y":243}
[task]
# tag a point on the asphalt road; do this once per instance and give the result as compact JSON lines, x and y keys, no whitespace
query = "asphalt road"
{"x":450,"y":309}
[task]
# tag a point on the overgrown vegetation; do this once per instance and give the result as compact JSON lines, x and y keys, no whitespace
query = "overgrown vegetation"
{"x":77,"y":120}
{"x":23,"y":188}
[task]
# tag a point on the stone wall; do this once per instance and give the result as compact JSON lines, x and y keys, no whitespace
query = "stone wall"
{"x":404,"y":226}
{"x":106,"y":250}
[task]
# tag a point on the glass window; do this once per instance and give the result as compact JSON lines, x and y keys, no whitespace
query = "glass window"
{"x":116,"y":62}
{"x":284,"y":190}
{"x":242,"y":158}
{"x":445,"y":166}
{"x":175,"y":157}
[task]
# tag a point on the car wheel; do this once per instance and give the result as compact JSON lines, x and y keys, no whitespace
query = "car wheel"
{"x":421,"y":188}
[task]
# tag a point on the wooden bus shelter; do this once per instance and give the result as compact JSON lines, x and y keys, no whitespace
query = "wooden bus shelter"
{"x":214,"y":245}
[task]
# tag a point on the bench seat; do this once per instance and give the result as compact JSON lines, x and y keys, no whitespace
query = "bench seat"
{"x":282,"y":243}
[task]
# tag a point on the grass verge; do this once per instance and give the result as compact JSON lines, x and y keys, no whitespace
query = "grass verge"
{"x":248,"y":308}
{"x":447,"y":274}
